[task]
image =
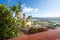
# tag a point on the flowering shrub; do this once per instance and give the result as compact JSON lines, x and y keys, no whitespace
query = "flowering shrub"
{"x":42,"y":29}
{"x":7,"y":24}
{"x":34,"y":30}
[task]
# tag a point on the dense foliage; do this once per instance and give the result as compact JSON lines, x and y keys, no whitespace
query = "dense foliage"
{"x":7,"y":23}
{"x":51,"y":27}
{"x":34,"y":30}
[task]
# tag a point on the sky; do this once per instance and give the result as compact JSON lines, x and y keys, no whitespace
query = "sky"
{"x":37,"y":8}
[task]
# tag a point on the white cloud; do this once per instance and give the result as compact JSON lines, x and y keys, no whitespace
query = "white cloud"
{"x":23,"y":5}
{"x":35,"y":10}
{"x":51,"y":9}
{"x":29,"y":9}
{"x":51,"y":14}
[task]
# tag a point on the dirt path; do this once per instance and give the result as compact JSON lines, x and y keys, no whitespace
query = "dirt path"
{"x":48,"y":35}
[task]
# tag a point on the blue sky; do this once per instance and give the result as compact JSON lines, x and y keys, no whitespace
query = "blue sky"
{"x":37,"y":8}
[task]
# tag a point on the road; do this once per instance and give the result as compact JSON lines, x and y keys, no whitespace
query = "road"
{"x":47,"y":35}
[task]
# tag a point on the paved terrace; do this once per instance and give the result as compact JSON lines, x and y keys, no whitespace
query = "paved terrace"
{"x":48,"y":35}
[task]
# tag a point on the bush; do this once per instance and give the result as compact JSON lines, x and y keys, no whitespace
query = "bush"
{"x":7,"y":24}
{"x":51,"y":27}
{"x":42,"y":29}
{"x":34,"y":30}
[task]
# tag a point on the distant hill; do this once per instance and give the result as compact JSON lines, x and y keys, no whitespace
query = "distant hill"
{"x":46,"y":18}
